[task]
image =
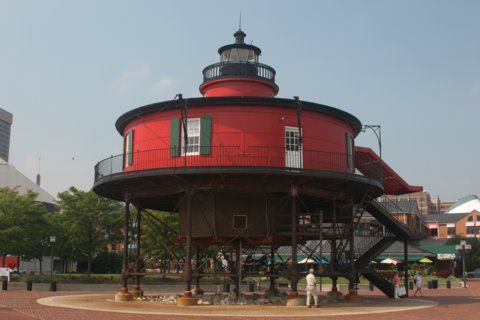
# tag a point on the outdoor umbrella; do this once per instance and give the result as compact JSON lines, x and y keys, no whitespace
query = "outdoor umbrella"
{"x":391,"y":261}
{"x":425,"y":261}
{"x":306,"y":260}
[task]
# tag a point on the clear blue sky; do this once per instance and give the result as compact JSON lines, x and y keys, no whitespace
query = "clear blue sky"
{"x":69,"y":69}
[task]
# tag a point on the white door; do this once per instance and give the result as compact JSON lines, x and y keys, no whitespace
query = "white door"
{"x":293,"y":148}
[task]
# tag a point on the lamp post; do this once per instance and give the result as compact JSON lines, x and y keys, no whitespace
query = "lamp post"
{"x":463,"y":247}
{"x":52,"y":244}
{"x":377,"y":130}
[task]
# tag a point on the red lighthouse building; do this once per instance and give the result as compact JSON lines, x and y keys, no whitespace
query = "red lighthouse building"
{"x":244,"y":168}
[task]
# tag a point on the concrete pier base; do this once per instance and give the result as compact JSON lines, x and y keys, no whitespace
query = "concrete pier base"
{"x":187,"y":300}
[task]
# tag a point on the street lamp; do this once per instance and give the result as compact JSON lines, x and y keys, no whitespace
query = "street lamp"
{"x":52,"y":244}
{"x":463,"y":247}
{"x":377,"y":130}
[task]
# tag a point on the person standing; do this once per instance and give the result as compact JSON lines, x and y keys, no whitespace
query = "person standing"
{"x":418,"y":284}
{"x":312,"y":288}
{"x":396,"y":284}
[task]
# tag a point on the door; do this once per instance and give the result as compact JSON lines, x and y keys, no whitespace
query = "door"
{"x":293,"y":148}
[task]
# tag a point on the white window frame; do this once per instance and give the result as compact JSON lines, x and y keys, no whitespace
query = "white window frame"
{"x":193,"y":147}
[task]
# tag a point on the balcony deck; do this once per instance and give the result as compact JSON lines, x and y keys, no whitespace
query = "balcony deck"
{"x":155,"y":173}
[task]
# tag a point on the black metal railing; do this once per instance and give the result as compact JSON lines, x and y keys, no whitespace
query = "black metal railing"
{"x":402,"y":214}
{"x":239,"y":69}
{"x":225,"y":157}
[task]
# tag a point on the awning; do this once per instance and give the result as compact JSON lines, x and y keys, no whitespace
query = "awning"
{"x":369,"y":164}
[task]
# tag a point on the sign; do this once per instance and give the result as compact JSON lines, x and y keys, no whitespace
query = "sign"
{"x":446,"y":256}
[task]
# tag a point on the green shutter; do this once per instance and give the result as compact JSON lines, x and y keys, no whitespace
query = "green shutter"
{"x":349,"y":150}
{"x":206,"y":135}
{"x":175,"y":137}
{"x":130,"y":147}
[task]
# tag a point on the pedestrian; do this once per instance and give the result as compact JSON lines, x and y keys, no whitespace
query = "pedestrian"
{"x":418,"y":284}
{"x":396,"y":284}
{"x":312,"y":288}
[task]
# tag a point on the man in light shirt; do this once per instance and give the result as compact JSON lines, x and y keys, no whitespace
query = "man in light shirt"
{"x":312,"y":288}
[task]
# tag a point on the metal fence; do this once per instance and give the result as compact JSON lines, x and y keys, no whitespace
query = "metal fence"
{"x":226,"y":157}
{"x":258,"y":70}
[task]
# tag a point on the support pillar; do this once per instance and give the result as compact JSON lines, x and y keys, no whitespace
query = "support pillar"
{"x":405,"y":259}
{"x":187,"y":299}
{"x":196,"y":272}
{"x":238,"y":267}
{"x":352,"y":295}
{"x":124,"y":295}
{"x":333,"y":250}
{"x":272,"y":269}
{"x":188,"y":262}
{"x":294,"y":273}
{"x":136,"y":288}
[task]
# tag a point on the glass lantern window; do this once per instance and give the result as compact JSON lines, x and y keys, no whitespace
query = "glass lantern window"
{"x":239,"y":55}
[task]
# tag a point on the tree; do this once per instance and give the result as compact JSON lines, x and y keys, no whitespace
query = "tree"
{"x":472,"y":258}
{"x":158,"y":231}
{"x":22,"y":224}
{"x":91,"y":223}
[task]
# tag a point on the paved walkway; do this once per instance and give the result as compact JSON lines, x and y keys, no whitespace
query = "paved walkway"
{"x":440,"y":304}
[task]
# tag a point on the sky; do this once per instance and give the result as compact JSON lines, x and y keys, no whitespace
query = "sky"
{"x":69,"y":69}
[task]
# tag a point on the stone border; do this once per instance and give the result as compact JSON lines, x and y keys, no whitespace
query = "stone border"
{"x":106,"y":302}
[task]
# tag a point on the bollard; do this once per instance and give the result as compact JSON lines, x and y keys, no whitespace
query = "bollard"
{"x":449,"y":284}
{"x":4,"y":284}
{"x":53,"y":286}
{"x":29,"y":285}
{"x":226,"y":287}
{"x":251,"y":287}
{"x":370,"y":286}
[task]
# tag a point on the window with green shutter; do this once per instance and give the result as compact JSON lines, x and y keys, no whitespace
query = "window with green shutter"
{"x":349,"y":142}
{"x":175,"y":137}
{"x":206,"y":135}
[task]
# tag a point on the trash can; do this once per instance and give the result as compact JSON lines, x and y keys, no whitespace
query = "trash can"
{"x":29,"y":285}
{"x":370,"y":286}
{"x":449,"y":284}
{"x":4,"y":284}
{"x":434,"y":284}
{"x":226,"y":287}
{"x":429,"y":284}
{"x":410,"y":285}
{"x":53,"y":286}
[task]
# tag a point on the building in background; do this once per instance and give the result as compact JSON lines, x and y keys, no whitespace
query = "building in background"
{"x":6,"y":119}
{"x":444,"y":226}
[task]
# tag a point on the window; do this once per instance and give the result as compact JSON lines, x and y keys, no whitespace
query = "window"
{"x":292,"y":140}
{"x":199,"y":133}
{"x":451,"y":231}
{"x":193,"y":137}
{"x":128,"y":148}
{"x":470,"y":219}
{"x":470,"y":230}
{"x":239,"y":222}
{"x":434,"y":232}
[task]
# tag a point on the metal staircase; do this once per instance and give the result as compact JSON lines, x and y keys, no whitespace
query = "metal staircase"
{"x":398,"y":230}
{"x":350,"y":227}
{"x":374,"y":251}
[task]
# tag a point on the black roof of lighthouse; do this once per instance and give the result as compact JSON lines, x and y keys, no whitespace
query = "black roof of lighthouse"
{"x":240,"y":43}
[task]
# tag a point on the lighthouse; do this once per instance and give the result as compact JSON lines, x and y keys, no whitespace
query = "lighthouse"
{"x":245,"y":169}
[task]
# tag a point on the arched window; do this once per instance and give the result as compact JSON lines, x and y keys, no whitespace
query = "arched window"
{"x":470,"y":219}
